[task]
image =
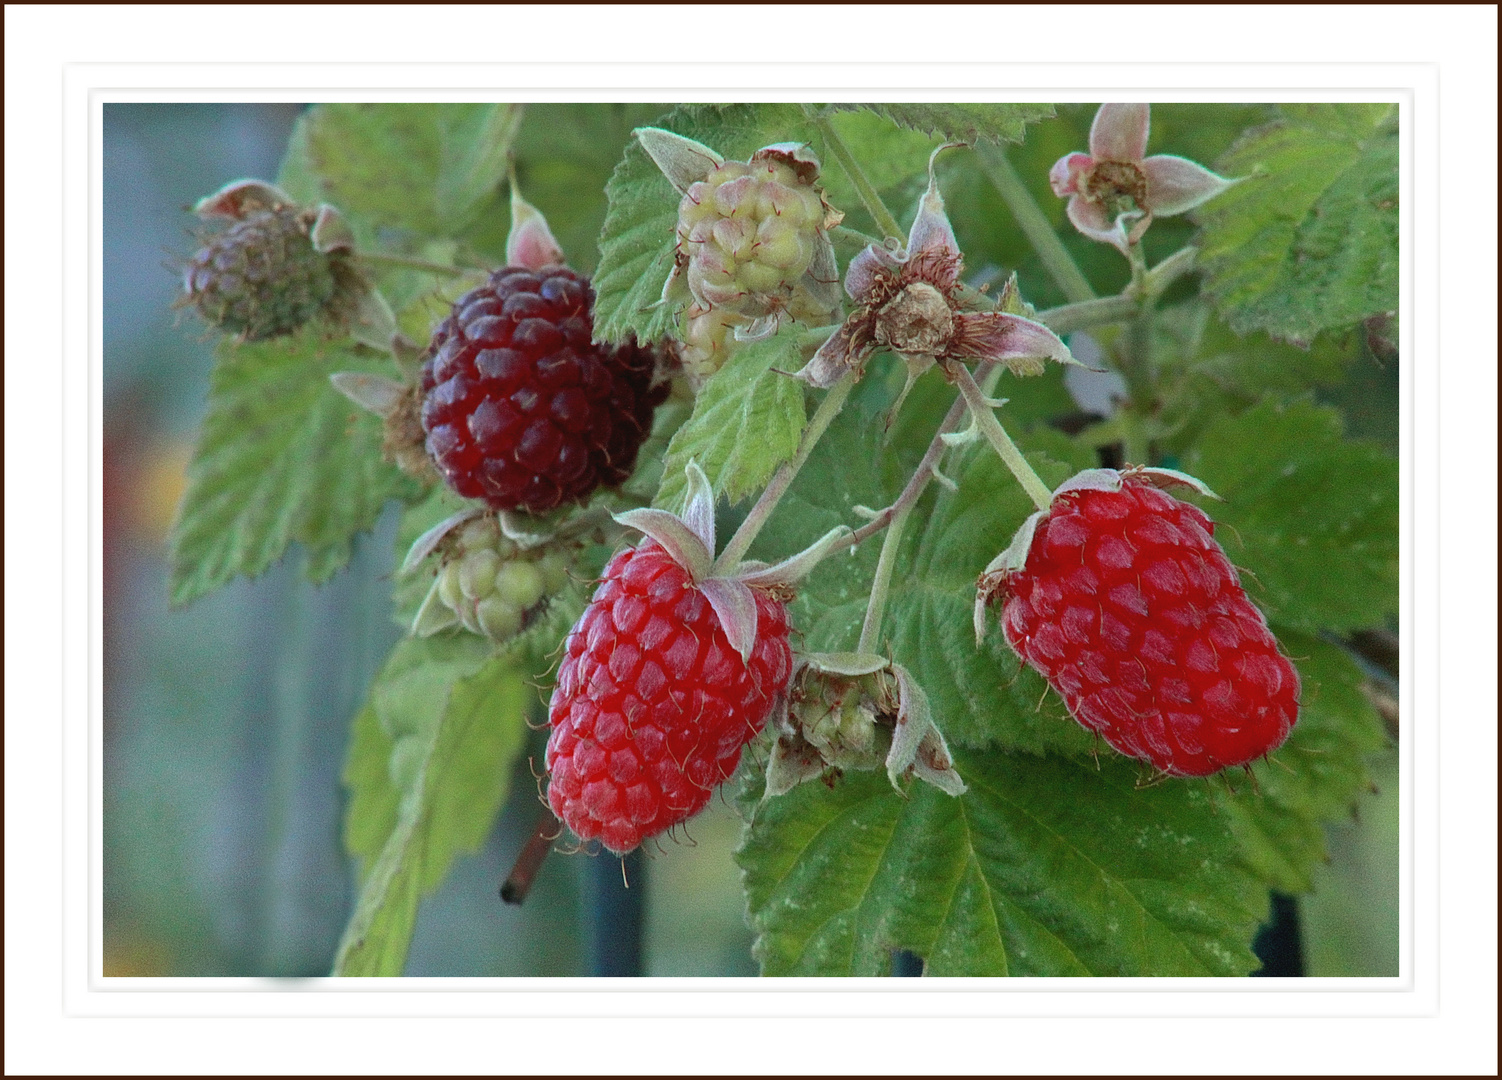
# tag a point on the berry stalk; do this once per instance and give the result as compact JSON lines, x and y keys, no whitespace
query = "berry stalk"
{"x":823,"y":416}
{"x":382,"y":258}
{"x":863,"y":186}
{"x":986,"y":422}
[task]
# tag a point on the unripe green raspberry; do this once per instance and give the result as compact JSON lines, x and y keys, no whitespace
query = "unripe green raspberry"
{"x":477,"y":570}
{"x":489,"y":585}
{"x":706,"y":339}
{"x":497,"y":619}
{"x":751,"y":232}
{"x":519,"y":583}
{"x":262,"y":277}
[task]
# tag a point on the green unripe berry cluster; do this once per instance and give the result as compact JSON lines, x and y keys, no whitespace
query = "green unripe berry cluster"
{"x":493,"y":586}
{"x":262,"y":277}
{"x":749,"y":232}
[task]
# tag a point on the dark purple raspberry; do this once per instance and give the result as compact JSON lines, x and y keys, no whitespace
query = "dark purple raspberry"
{"x":520,"y":409}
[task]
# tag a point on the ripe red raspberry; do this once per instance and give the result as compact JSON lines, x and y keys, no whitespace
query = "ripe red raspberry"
{"x":653,"y":703}
{"x":1129,"y":608}
{"x":520,"y":409}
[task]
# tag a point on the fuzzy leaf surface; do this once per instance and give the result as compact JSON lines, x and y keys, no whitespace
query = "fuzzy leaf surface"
{"x":746,"y":422}
{"x":1043,"y":867}
{"x":1312,"y":515}
{"x":961,"y":122}
{"x":1310,"y":241}
{"x":429,"y":766}
{"x":282,"y":457}
{"x":427,"y":167}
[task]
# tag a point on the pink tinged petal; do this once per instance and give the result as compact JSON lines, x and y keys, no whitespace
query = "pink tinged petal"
{"x":1176,"y":184}
{"x":1021,"y":344}
{"x":530,"y":243}
{"x":1090,"y":219}
{"x":835,"y":357}
{"x":1065,"y":174}
{"x":735,"y":605}
{"x":239,"y":197}
{"x":870,"y":266}
{"x":1119,"y":132}
{"x":931,"y":239}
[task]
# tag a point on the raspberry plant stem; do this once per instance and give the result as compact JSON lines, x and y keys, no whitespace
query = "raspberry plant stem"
{"x":1067,"y":318}
{"x":896,"y":515}
{"x":1035,"y":226}
{"x":1001,"y":442}
{"x":882,"y":580}
{"x":828,"y":409}
{"x":863,"y":186}
{"x":382,"y":258}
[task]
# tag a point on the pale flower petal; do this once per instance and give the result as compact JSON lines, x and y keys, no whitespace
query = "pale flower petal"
{"x":1065,"y":174}
{"x":1090,"y":218}
{"x":1119,"y":132}
{"x":530,"y":242}
{"x":868,"y":267}
{"x":839,"y":353}
{"x":1176,"y":184}
{"x":931,"y":240}
{"x":1021,"y":344}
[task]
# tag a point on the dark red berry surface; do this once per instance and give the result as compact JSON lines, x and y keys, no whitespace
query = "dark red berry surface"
{"x":519,"y":408}
{"x":653,"y":706}
{"x":1130,"y":609}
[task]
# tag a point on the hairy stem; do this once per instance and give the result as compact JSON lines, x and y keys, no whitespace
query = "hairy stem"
{"x":1068,"y":318}
{"x":863,"y":186}
{"x":828,"y":409}
{"x":382,"y":258}
{"x":1001,"y":442}
{"x":1051,"y":250}
{"x":881,"y":582}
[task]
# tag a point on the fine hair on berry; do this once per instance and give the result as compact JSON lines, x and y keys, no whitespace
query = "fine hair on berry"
{"x":520,"y":409}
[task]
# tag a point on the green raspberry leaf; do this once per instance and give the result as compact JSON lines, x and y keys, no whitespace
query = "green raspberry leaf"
{"x":430,"y":764}
{"x":961,"y":122}
{"x":637,"y":241}
{"x":1043,"y":867}
{"x":1312,"y":515}
{"x":283,"y":456}
{"x":1310,"y":240}
{"x":746,"y":421}
{"x":427,"y":167}
{"x":1321,"y":770}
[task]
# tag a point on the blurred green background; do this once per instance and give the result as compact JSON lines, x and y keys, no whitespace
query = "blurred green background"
{"x":225,"y":722}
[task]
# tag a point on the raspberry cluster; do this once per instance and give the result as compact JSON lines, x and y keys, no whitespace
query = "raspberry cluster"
{"x":1129,"y":608}
{"x":520,"y":408}
{"x":653,"y":705}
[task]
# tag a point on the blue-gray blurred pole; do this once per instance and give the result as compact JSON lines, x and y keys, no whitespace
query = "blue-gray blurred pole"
{"x":613,"y":913}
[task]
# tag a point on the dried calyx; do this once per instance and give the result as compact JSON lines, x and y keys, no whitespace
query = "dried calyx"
{"x":856,"y":711}
{"x":909,"y":300}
